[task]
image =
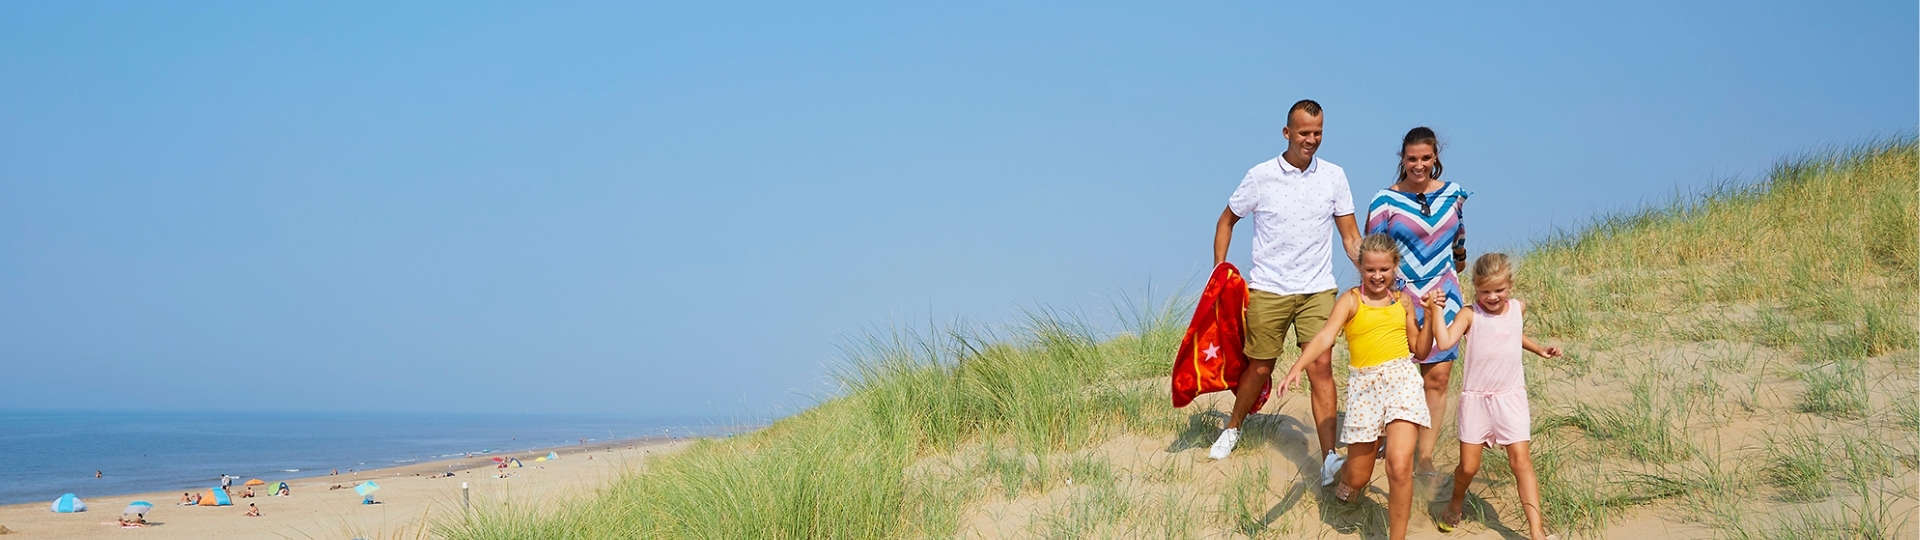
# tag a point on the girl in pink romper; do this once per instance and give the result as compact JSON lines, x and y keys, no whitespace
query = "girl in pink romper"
{"x":1493,"y":399}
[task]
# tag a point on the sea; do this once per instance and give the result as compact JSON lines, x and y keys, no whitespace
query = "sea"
{"x":44,"y":454}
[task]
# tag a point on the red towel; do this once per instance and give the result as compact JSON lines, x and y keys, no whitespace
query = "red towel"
{"x":1210,"y":358}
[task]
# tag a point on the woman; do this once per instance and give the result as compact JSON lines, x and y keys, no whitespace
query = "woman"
{"x":1424,"y":216}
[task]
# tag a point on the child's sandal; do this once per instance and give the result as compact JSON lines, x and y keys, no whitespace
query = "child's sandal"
{"x":1448,"y":521}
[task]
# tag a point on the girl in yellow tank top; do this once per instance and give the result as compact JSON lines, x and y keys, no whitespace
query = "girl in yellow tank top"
{"x":1377,"y":334}
{"x":1384,"y":390}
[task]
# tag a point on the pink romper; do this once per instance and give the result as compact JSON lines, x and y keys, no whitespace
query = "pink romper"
{"x":1493,"y":399}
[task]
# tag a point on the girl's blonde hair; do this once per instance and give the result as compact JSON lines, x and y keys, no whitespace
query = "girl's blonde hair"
{"x":1492,"y":267}
{"x":1380,"y":243}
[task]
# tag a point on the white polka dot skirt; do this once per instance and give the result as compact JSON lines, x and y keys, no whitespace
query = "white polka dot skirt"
{"x":1379,"y":395}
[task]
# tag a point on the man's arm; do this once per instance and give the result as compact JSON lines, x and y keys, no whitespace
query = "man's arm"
{"x":1223,"y":235}
{"x":1349,"y":236}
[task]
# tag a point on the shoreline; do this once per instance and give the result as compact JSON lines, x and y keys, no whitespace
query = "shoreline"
{"x":325,"y":505}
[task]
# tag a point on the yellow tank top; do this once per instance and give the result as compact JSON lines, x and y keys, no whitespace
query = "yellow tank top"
{"x":1377,"y":334}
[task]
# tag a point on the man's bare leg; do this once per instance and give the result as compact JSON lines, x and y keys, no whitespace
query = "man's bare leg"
{"x":1257,"y":376}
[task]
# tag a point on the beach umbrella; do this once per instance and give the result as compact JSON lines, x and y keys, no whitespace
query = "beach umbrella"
{"x":68,"y":504}
{"x":539,"y":459}
{"x":256,"y":482}
{"x":138,"y":507}
{"x":366,"y":488}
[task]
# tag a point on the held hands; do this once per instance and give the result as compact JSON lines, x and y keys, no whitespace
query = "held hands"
{"x":1433,"y":299}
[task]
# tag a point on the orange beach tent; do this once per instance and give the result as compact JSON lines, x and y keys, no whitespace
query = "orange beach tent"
{"x":215,"y":497}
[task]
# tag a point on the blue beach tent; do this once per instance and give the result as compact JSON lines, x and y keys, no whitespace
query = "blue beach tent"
{"x":68,"y":503}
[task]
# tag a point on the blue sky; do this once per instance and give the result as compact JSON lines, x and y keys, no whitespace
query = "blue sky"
{"x":670,"y":209}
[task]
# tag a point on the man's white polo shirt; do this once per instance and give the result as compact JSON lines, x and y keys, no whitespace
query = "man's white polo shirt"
{"x":1292,"y":213}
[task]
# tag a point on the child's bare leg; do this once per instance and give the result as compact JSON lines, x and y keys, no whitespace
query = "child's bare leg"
{"x":1435,"y":378}
{"x":1400,"y":436}
{"x":1462,"y":477}
{"x":1358,"y":471}
{"x":1521,"y":460}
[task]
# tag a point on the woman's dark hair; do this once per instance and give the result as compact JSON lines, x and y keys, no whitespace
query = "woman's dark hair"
{"x":1420,"y":135}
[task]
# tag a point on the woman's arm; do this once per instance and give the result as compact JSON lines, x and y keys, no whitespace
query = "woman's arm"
{"x":1322,"y":342}
{"x":1460,"y":236}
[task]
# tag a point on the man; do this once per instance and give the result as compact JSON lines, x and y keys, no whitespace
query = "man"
{"x":226,"y":482}
{"x":1293,"y":199}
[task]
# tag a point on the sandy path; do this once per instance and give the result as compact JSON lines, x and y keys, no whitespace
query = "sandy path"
{"x":410,"y":500}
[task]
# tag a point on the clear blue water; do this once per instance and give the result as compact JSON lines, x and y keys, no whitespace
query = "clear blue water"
{"x":48,"y":453}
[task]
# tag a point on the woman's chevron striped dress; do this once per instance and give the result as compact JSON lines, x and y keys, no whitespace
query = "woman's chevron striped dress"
{"x":1425,"y":234}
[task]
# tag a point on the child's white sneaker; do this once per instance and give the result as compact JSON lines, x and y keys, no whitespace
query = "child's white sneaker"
{"x":1331,"y":468}
{"x":1224,"y":445}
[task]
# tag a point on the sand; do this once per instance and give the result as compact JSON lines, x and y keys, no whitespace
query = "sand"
{"x":410,"y":500}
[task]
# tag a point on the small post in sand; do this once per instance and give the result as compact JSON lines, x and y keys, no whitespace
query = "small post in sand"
{"x":466,"y":500}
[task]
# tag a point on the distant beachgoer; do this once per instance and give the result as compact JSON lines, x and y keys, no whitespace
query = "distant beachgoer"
{"x":96,"y":473}
{"x":248,"y":494}
{"x":336,"y":472}
{"x":1425,"y":217}
{"x":284,"y":490}
{"x":225,"y":482}
{"x":195,"y":501}
{"x":186,"y":499}
{"x":253,"y":511}
{"x":1493,"y":399}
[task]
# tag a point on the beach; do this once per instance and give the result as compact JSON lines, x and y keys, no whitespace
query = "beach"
{"x":411,"y":498}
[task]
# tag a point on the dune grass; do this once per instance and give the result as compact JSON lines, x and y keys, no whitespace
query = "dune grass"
{"x":1802,"y":283}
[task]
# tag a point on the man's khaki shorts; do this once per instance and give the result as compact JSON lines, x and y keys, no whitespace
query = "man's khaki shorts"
{"x":1269,"y":315}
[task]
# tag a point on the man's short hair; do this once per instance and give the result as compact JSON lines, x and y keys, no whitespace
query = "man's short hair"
{"x":1311,"y":107}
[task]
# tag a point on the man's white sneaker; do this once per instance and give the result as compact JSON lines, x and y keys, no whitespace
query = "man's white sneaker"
{"x":1331,"y":468}
{"x":1224,"y":445}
